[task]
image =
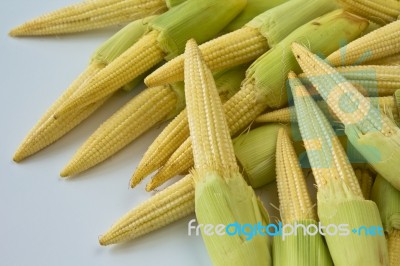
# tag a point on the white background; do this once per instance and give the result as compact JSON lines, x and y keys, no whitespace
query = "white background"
{"x":44,"y":219}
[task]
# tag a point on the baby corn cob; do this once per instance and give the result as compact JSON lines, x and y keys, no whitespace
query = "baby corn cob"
{"x":388,"y":200}
{"x":141,"y":113}
{"x":89,"y":15}
{"x":51,"y":128}
{"x":165,"y":39}
{"x":295,"y":208}
{"x":387,"y":105}
{"x":377,"y":44}
{"x":165,"y":207}
{"x":379,"y":11}
{"x":370,"y":131}
{"x":48,"y":129}
{"x":227,"y":82}
{"x":249,"y":42}
{"x":221,"y":194}
{"x":389,"y":60}
{"x":339,"y":197}
{"x":264,"y":85}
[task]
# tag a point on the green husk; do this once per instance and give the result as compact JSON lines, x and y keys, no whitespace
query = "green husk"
{"x":252,"y":9}
{"x":121,"y":41}
{"x":300,"y":249}
{"x":337,"y":205}
{"x":197,"y":19}
{"x":173,"y":3}
{"x":381,"y":152}
{"x":323,"y":34}
{"x":226,"y":201}
{"x":275,"y":24}
{"x":228,"y":81}
{"x":255,"y":152}
{"x":387,"y":198}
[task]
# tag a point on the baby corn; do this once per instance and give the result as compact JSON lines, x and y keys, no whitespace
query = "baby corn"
{"x":249,"y":42}
{"x":264,"y":85}
{"x":339,"y":197}
{"x":221,"y":194}
{"x":227,"y":82}
{"x":165,"y":38}
{"x":379,"y":11}
{"x":377,"y":44}
{"x":295,"y":207}
{"x":50,"y":128}
{"x":370,"y":131}
{"x":165,"y":207}
{"x":388,"y":200}
{"x":89,"y":15}
{"x":141,"y":113}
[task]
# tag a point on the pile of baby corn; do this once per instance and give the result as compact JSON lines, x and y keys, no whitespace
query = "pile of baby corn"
{"x":261,"y":80}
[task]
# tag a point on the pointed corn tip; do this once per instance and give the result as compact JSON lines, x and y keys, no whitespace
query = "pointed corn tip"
{"x":66,"y":172}
{"x":151,"y":186}
{"x":292,"y":75}
{"x":103,"y":240}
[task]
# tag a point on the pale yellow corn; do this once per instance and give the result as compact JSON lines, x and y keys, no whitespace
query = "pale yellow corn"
{"x":165,"y":207}
{"x":377,"y":44}
{"x":89,"y":15}
{"x":318,"y":135}
{"x":264,"y":85}
{"x":238,"y":47}
{"x":295,"y":206}
{"x":249,"y":42}
{"x":339,"y":198}
{"x":294,"y":200}
{"x":133,"y":119}
{"x":370,"y":131}
{"x":228,"y":83}
{"x":221,"y":194}
{"x":49,"y":129}
{"x":378,"y":11}
{"x":136,"y":60}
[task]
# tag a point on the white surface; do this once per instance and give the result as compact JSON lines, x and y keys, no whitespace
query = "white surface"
{"x":49,"y":221}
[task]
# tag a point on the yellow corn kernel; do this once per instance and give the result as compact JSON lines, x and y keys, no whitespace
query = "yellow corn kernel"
{"x":378,"y":11}
{"x":165,"y":207}
{"x":377,"y":44}
{"x":49,"y":129}
{"x":133,"y":119}
{"x":89,"y":15}
{"x":294,"y":200}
